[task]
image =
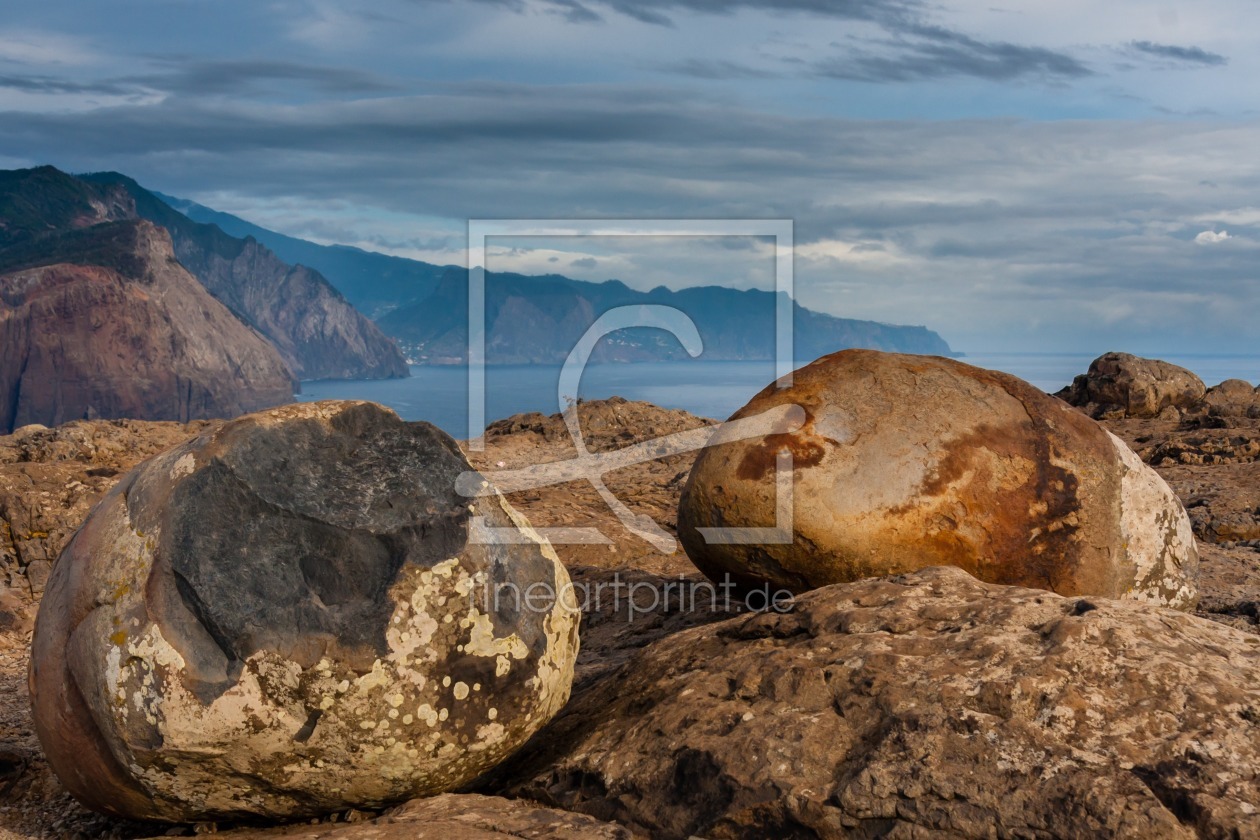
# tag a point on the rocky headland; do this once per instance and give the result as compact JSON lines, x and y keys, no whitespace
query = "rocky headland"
{"x":921,"y":704}
{"x":108,"y":324}
{"x":114,"y":305}
{"x":315,"y":329}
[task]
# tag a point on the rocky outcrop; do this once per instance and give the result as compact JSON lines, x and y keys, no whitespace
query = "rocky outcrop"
{"x":902,"y":462}
{"x":1234,"y":398}
{"x":293,"y":615}
{"x":649,"y":488}
{"x":1212,"y":462}
{"x":923,"y":705}
{"x":103,"y":322}
{"x":51,"y":478}
{"x":1120,"y":385}
{"x":316,"y":330}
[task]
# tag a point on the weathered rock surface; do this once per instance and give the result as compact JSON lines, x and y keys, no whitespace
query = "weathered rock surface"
{"x":1229,"y":577}
{"x":103,"y":322}
{"x":905,"y":462}
{"x":1212,"y":463}
{"x":33,"y":804}
{"x":51,"y":478}
{"x":1233,"y":398}
{"x":314,"y":328}
{"x":1120,"y":385}
{"x":649,"y":489}
{"x":452,"y":817}
{"x":288,"y":616}
{"x":924,"y":705}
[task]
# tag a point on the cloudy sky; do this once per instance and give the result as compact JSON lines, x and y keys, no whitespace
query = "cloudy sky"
{"x":1018,"y":176}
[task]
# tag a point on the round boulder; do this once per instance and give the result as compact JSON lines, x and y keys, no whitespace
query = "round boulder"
{"x":292,"y":615}
{"x":905,"y":462}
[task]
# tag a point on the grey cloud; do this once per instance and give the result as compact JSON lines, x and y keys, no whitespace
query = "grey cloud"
{"x":205,"y":78}
{"x":52,"y":85}
{"x":699,"y":68}
{"x":584,"y":262}
{"x":199,"y":78}
{"x":575,"y":12}
{"x":1191,"y":55}
{"x":1063,"y":214}
{"x":919,"y":50}
{"x":932,"y":52}
{"x":658,"y":12}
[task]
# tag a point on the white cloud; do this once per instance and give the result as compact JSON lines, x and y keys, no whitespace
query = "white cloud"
{"x":1211,"y":237}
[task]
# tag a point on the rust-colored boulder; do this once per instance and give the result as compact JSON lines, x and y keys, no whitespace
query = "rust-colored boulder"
{"x":905,"y":462}
{"x":1120,"y":385}
{"x":290,"y":615}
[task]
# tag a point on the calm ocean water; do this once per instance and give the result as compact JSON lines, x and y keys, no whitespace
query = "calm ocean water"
{"x":712,"y":389}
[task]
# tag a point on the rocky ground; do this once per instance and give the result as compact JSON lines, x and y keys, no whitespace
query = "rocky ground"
{"x":50,"y":478}
{"x":1213,"y":464}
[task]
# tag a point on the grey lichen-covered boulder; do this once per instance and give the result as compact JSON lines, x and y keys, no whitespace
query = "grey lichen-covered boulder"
{"x":904,"y":462}
{"x":925,"y":705}
{"x":1120,"y":385}
{"x":288,"y":616}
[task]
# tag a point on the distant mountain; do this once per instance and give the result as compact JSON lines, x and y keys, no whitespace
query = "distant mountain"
{"x":375,"y":283}
{"x":98,"y":318}
{"x":539,"y":319}
{"x":317,"y":331}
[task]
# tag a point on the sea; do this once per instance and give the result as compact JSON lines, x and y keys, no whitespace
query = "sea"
{"x":439,"y":393}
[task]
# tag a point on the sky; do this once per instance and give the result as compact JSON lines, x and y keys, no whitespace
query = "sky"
{"x":1036,"y":176}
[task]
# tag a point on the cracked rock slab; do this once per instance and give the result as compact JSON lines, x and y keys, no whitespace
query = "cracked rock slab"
{"x":924,"y":705}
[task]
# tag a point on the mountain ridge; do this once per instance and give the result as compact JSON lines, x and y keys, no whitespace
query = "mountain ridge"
{"x":429,"y":322}
{"x":374,"y":283}
{"x":538,"y":320}
{"x":317,"y":330}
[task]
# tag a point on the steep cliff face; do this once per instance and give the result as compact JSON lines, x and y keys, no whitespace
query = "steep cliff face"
{"x":317,"y":331}
{"x":103,"y":321}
